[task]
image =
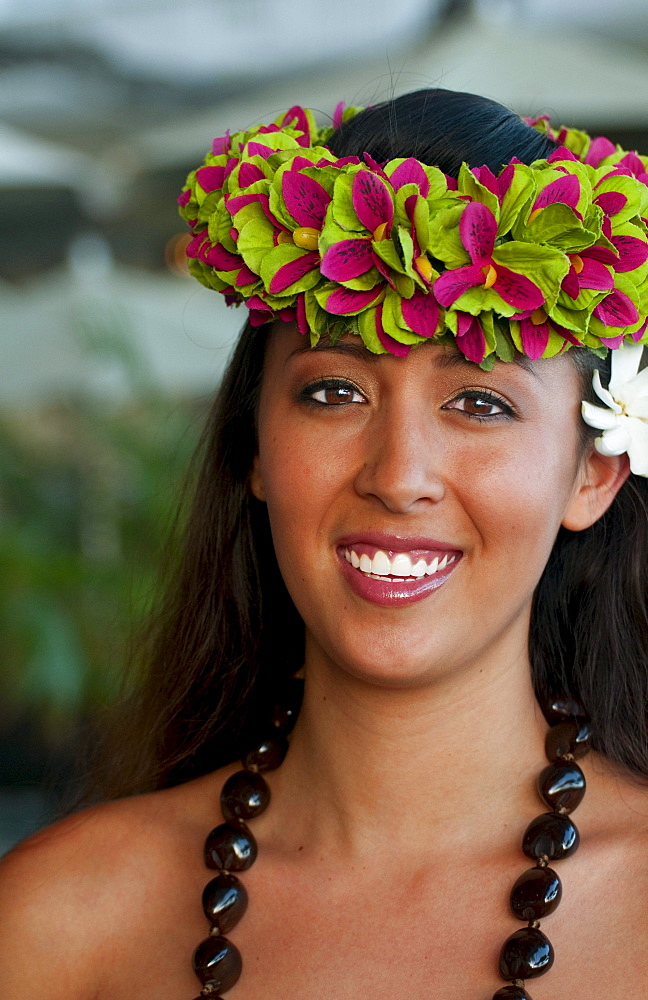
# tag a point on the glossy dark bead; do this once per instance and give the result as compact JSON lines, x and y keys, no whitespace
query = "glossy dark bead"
{"x":217,"y":962}
{"x":552,"y":834}
{"x":511,"y":993}
{"x":563,"y":708}
{"x":230,"y":846}
{"x":526,"y":954}
{"x":224,"y":901}
{"x":536,"y":894}
{"x":570,"y":736}
{"x":562,"y":785}
{"x":268,"y":754}
{"x":244,"y":796}
{"x":285,"y":713}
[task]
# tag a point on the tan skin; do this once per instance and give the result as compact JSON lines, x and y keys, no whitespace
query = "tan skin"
{"x":393,"y":836}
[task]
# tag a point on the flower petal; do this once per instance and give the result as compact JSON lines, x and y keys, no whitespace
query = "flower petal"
{"x":346,"y":302}
{"x":291,"y":272}
{"x":220,"y":144}
{"x":616,"y":440}
{"x":624,"y":366}
{"x":470,"y":338}
{"x":260,"y":149}
{"x":612,"y":202}
{"x":633,"y":252}
{"x":597,"y":417}
{"x":599,"y":149}
{"x":617,"y":309}
{"x":421,"y":313}
{"x":210,"y":178}
{"x":604,"y":394}
{"x":595,"y":275}
{"x":564,"y":190}
{"x":305,"y":199}
{"x":347,"y":259}
{"x":372,"y":201}
{"x":534,"y":338}
{"x":478,"y":229}
{"x":302,"y":322}
{"x":410,"y":171}
{"x":638,"y":448}
{"x":451,"y":284}
{"x":222,"y":260}
{"x":249,"y":173}
{"x":517,"y":289}
{"x":393,"y":346}
{"x":337,"y":114}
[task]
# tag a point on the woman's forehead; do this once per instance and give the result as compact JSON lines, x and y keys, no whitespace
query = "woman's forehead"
{"x":286,"y":344}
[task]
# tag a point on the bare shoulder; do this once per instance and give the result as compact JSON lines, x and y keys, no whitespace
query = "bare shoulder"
{"x":68,"y":892}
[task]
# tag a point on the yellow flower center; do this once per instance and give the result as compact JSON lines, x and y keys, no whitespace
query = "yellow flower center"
{"x":380,"y":232}
{"x":538,"y":317}
{"x":306,"y":238}
{"x":424,"y":267}
{"x":491,"y":276}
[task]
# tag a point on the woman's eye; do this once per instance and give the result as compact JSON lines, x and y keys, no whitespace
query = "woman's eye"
{"x":334,"y":393}
{"x":479,"y":404}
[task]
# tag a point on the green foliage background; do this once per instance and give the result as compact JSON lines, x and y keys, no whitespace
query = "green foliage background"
{"x":88,"y":490}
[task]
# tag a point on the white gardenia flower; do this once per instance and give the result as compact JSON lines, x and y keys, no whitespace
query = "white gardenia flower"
{"x":625,"y":422}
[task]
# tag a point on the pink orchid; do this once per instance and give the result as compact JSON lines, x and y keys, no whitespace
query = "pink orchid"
{"x":631,"y":251}
{"x":261,"y":313}
{"x":589,"y":269}
{"x":617,"y":309}
{"x":565,"y":190}
{"x":535,"y":329}
{"x":478,"y":232}
{"x":216,"y":256}
{"x":499,"y":185}
{"x":306,"y":201}
{"x":633,"y":165}
{"x":599,"y":149}
{"x":373,"y":205}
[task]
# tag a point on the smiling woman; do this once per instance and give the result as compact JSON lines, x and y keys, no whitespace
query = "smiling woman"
{"x":408,"y":575}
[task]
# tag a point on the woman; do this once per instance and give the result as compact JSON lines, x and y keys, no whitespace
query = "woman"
{"x":432,"y":540}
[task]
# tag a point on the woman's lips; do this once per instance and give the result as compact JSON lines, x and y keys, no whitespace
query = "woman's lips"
{"x":390,"y":570}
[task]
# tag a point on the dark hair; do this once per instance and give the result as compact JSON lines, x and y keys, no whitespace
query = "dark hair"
{"x":228,"y":634}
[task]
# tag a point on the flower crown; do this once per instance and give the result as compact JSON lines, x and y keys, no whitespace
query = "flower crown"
{"x":535,"y":259}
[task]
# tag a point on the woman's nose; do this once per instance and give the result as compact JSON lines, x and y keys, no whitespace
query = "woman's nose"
{"x":404,"y":462}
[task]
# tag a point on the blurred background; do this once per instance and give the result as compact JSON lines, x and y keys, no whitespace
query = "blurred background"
{"x":108,"y":353}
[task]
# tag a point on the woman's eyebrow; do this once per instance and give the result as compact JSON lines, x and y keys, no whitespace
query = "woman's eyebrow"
{"x":342,"y":347}
{"x":454,"y":359}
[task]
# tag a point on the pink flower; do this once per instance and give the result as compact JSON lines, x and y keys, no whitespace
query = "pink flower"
{"x":478,"y":231}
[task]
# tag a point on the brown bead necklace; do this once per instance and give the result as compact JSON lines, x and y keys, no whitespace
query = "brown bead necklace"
{"x":551,"y":836}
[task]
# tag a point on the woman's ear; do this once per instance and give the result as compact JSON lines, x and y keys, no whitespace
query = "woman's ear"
{"x":602,"y":476}
{"x":256,"y":480}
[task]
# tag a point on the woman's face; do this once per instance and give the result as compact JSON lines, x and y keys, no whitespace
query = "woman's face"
{"x":414,"y":501}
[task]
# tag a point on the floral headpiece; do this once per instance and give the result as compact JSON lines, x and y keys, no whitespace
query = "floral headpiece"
{"x":535,"y":259}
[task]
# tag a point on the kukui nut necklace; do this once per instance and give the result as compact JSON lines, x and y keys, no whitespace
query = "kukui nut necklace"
{"x":527,"y":953}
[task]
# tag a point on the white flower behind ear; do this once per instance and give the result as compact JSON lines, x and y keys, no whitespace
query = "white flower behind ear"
{"x":625,"y":422}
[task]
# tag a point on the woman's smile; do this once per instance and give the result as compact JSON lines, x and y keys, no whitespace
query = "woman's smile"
{"x":389,"y":570}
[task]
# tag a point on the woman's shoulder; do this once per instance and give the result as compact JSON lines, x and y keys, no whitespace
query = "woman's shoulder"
{"x":88,"y":877}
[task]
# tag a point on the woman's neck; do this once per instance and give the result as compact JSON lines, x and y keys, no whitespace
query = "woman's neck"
{"x":369,"y":767}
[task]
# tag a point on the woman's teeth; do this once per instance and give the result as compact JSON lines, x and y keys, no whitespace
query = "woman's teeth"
{"x":381,"y":567}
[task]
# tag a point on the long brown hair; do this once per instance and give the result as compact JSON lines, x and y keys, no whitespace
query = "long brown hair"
{"x":227,"y":634}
